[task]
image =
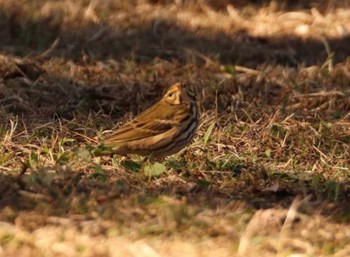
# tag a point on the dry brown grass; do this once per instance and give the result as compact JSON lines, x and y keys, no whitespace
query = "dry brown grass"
{"x":270,"y":179}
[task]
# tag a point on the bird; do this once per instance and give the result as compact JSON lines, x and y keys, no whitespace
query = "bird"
{"x":163,"y":129}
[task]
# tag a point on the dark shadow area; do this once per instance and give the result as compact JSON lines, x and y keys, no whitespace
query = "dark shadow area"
{"x":84,"y":41}
{"x":162,"y":39}
{"x":69,"y":193}
{"x":165,"y":40}
{"x":283,"y":5}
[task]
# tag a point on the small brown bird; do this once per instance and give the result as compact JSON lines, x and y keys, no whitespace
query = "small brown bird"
{"x":163,"y":129}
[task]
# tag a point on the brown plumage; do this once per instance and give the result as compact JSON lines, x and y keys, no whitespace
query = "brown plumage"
{"x":163,"y":129}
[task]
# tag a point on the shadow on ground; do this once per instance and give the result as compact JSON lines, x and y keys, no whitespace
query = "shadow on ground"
{"x":66,"y":193}
{"x":159,"y":38}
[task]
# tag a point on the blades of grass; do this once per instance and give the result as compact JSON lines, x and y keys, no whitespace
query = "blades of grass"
{"x":207,"y":134}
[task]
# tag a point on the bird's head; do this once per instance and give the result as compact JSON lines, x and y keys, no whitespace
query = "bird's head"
{"x":177,"y":94}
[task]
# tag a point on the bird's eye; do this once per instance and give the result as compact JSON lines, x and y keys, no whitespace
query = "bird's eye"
{"x":170,"y":94}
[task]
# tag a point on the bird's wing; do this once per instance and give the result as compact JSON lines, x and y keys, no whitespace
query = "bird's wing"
{"x":136,"y":129}
{"x":153,"y":121}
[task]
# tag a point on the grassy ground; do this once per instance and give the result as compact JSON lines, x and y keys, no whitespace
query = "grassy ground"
{"x":268,"y":173}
